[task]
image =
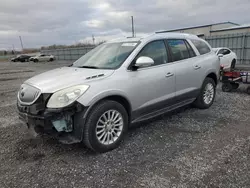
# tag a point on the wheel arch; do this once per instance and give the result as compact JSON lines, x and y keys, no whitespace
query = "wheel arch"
{"x":213,"y":76}
{"x":116,"y":97}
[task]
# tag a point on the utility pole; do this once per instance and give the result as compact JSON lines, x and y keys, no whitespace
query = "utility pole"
{"x":13,"y":47}
{"x":133,"y":30}
{"x":93,"y":38}
{"x":21,"y":42}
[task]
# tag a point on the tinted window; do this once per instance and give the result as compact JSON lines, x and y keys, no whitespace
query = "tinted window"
{"x":155,"y":50}
{"x":190,"y":50}
{"x":226,"y":52}
{"x":201,"y":46}
{"x":221,"y":51}
{"x":179,"y":49}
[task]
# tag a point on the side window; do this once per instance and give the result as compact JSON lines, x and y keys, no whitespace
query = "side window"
{"x":221,"y":51}
{"x":201,"y":46}
{"x":178,"y":48}
{"x":226,"y":52}
{"x":190,"y":50}
{"x":155,"y":50}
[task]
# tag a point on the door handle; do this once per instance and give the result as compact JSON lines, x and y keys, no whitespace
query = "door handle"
{"x":169,"y":74}
{"x":197,"y":67}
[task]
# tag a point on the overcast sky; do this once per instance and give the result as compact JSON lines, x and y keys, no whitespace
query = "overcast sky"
{"x":47,"y":22}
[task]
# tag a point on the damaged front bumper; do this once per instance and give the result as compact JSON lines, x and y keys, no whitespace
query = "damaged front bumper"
{"x":66,"y":124}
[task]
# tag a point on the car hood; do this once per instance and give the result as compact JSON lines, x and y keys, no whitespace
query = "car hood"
{"x":60,"y":78}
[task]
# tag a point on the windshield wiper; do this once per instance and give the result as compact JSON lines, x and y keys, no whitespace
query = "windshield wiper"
{"x":89,"y":67}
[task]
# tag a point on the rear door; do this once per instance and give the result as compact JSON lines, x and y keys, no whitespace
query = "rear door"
{"x":188,"y":69}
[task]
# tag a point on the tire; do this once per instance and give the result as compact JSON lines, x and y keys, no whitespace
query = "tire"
{"x":227,"y":87}
{"x":233,"y":64}
{"x":97,"y":142}
{"x":35,"y":60}
{"x":206,"y":99}
{"x":51,"y":59}
{"x":235,"y":85}
{"x":248,"y":90}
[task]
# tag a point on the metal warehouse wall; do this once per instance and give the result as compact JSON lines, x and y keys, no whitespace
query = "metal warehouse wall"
{"x":67,"y":53}
{"x":239,"y":43}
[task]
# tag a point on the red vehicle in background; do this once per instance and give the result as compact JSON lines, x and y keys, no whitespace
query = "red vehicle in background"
{"x":233,"y":78}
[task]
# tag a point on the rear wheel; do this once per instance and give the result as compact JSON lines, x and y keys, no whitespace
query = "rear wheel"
{"x":248,"y":90}
{"x":35,"y":60}
{"x":235,"y":85}
{"x":106,"y":126}
{"x":207,"y":94}
{"x":51,"y":59}
{"x":227,"y":87}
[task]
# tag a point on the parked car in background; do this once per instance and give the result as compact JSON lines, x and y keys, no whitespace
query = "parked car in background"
{"x":21,"y":58}
{"x":31,"y":58}
{"x":229,"y":58}
{"x":42,"y":57}
{"x":117,"y":84}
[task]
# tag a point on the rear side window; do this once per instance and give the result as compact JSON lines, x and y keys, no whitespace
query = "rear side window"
{"x":178,"y":49}
{"x":190,"y":50}
{"x":201,"y":46}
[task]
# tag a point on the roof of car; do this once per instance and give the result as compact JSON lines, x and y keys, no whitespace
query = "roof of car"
{"x":155,"y":36}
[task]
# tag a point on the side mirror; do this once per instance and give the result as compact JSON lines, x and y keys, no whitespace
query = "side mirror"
{"x":220,"y":55}
{"x":144,"y":61}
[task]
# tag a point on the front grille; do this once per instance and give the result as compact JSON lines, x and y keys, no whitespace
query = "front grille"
{"x":28,"y":94}
{"x":36,"y":108}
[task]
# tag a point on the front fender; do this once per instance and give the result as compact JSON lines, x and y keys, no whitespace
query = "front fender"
{"x":86,"y":101}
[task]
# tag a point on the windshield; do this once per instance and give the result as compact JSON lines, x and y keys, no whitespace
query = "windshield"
{"x":106,"y":56}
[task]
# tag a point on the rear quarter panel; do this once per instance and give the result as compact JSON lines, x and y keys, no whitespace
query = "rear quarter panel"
{"x":211,"y":65}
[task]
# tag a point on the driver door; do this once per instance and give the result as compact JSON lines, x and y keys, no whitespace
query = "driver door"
{"x":153,"y":87}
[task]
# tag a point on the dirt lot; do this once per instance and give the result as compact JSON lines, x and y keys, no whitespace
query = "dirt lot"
{"x":187,"y":148}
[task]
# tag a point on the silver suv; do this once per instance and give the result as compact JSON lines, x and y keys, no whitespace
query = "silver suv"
{"x":117,"y":84}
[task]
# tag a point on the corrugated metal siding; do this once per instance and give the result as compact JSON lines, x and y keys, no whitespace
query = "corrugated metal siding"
{"x":239,"y":43}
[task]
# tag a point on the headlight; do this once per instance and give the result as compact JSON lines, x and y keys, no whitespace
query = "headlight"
{"x":66,"y":96}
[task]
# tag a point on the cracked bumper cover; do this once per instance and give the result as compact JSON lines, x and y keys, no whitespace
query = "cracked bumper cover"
{"x":66,"y":124}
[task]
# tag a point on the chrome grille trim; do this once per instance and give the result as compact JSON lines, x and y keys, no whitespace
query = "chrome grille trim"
{"x":36,"y":94}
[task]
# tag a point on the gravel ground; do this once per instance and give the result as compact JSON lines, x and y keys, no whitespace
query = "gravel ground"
{"x":185,"y":148}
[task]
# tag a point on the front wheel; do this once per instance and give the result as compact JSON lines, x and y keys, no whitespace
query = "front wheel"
{"x":35,"y":60}
{"x":106,"y":126}
{"x":207,"y":94}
